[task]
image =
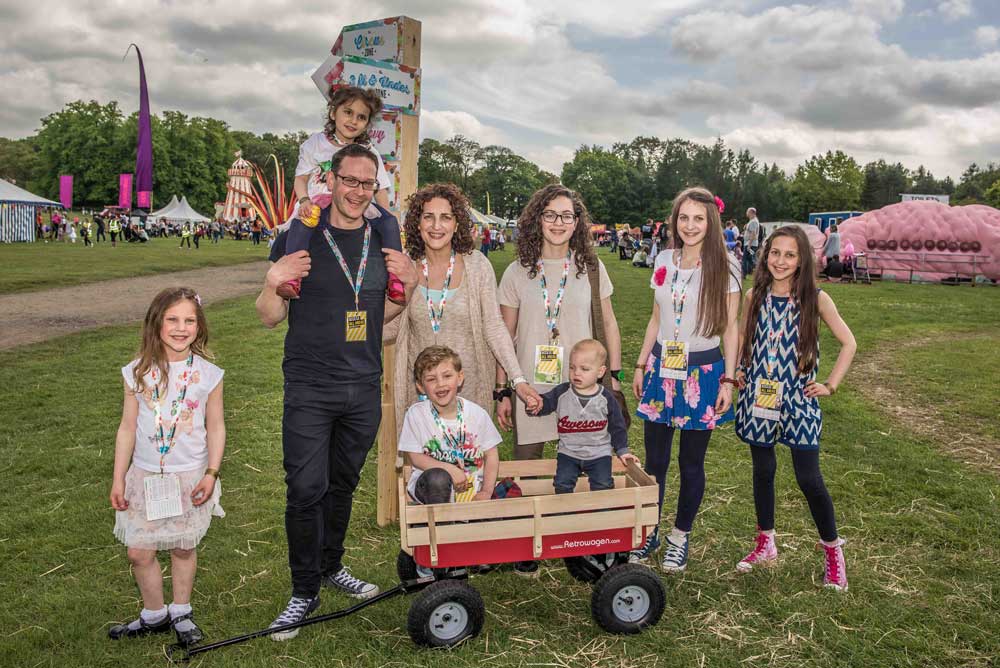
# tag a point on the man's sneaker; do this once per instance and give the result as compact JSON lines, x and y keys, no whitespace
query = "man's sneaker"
{"x":675,"y":555}
{"x":643,"y":552}
{"x":764,"y":553}
{"x":528,"y":569}
{"x":344,"y":582}
{"x":835,"y":575}
{"x":296,"y":610}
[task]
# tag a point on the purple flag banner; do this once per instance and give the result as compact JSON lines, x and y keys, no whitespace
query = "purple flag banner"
{"x":125,"y":191}
{"x":144,"y":143}
{"x":66,"y":190}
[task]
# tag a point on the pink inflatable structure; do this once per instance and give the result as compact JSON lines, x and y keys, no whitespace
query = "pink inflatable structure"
{"x":927,"y":240}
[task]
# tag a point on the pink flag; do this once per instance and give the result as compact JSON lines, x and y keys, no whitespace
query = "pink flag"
{"x":125,"y":191}
{"x":66,"y":190}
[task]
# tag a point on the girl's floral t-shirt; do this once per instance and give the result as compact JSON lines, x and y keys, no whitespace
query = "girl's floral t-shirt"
{"x":421,"y":434}
{"x":190,"y":450}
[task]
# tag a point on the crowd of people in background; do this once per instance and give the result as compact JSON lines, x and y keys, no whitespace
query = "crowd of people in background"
{"x":93,"y":227}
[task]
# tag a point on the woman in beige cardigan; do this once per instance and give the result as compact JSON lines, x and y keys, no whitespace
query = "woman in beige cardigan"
{"x":455,"y":303}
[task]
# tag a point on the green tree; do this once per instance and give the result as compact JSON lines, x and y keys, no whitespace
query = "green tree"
{"x":606,"y":184}
{"x":19,"y":160}
{"x":829,"y":182}
{"x":883,"y":184}
{"x":993,"y":194}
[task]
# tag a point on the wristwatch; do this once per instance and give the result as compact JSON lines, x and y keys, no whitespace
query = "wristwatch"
{"x":514,"y":382}
{"x":618,"y":375}
{"x":212,"y":472}
{"x":501,"y":394}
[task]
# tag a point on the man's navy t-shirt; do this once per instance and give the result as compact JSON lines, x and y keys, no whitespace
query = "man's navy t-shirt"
{"x":316,"y":352}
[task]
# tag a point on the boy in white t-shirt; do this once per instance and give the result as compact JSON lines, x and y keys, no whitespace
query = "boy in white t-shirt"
{"x":350,"y":112}
{"x":449,"y":441}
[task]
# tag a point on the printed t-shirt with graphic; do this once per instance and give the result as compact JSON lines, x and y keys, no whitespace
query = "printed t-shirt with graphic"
{"x":190,"y":449}
{"x":318,"y":149}
{"x":589,"y":426}
{"x":421,"y":434}
{"x":663,"y":272}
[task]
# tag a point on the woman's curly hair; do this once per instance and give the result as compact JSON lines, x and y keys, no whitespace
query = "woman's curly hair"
{"x":347,"y":95}
{"x":530,"y":238}
{"x":461,"y":242}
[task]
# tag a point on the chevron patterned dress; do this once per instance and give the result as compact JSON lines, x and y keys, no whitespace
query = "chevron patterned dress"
{"x":801,"y":421}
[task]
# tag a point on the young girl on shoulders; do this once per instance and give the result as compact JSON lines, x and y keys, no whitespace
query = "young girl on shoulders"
{"x":778,"y":401}
{"x":683,"y":379}
{"x":167,"y":457}
{"x":349,"y":118}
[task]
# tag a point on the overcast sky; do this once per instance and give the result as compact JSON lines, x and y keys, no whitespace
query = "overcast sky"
{"x":916,"y":81}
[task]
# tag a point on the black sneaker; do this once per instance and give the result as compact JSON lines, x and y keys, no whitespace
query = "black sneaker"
{"x":528,"y":569}
{"x":138,"y":628}
{"x":344,"y":582}
{"x":296,"y":610}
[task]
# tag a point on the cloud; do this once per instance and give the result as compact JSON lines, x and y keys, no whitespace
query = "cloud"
{"x":881,"y":10}
{"x":443,"y":125}
{"x":954,"y":10}
{"x":987,"y":37}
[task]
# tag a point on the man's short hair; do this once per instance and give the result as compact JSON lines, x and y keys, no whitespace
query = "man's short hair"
{"x":351,"y":151}
{"x":430,"y":357}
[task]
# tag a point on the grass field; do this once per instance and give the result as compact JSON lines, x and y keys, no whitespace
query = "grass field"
{"x":42,"y":266}
{"x":923,"y":529}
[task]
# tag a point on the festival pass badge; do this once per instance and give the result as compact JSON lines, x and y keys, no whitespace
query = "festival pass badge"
{"x":163,"y":496}
{"x":470,"y":491}
{"x":674,"y":360}
{"x":767,"y":399}
{"x":548,"y":365}
{"x":357,"y":326}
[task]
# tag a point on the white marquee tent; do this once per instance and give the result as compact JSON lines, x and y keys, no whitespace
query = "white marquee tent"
{"x":17,"y":212}
{"x":178,"y":212}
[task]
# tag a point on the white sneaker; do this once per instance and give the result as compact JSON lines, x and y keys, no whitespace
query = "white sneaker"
{"x":344,"y":582}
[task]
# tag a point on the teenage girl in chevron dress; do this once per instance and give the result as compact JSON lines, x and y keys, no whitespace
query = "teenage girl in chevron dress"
{"x":778,"y":401}
{"x":683,"y":380}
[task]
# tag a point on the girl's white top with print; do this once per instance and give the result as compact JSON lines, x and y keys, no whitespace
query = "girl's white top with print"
{"x":689,"y":318}
{"x":420,"y":434}
{"x":190,"y":449}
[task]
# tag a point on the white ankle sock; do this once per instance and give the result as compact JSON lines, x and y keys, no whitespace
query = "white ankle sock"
{"x":151,"y":617}
{"x":677,"y":535}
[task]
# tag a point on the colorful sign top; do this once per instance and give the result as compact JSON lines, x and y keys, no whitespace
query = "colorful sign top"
{"x":376,"y":40}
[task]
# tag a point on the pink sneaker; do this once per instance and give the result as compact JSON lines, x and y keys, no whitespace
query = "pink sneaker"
{"x":765,"y":553}
{"x":835,"y":575}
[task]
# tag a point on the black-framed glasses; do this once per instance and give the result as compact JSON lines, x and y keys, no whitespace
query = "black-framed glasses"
{"x":550,"y":216}
{"x":352,"y":182}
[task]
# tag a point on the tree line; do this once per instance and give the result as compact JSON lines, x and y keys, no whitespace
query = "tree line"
{"x":627,"y":183}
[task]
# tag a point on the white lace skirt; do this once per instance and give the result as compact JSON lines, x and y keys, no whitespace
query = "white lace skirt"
{"x":183,"y":532}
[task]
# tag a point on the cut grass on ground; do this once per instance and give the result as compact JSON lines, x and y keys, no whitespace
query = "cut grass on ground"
{"x":42,"y":266}
{"x":923,"y":530}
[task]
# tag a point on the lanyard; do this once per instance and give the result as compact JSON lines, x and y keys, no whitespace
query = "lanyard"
{"x":165,"y":445}
{"x":455,"y":442}
{"x":355,"y":284}
{"x":776,"y":329}
{"x":678,"y":298}
{"x":552,"y":316}
{"x":438,"y":316}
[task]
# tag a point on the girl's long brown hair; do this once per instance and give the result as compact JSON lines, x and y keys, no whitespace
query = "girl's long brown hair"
{"x":151,"y":350}
{"x":461,"y":242}
{"x":803,"y":292}
{"x":530,"y":237}
{"x":713,"y":302}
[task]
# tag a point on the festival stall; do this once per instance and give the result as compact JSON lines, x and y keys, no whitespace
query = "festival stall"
{"x":18,"y":209}
{"x":928,"y":241}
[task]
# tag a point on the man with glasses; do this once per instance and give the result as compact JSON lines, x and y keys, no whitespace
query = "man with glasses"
{"x":332,"y":368}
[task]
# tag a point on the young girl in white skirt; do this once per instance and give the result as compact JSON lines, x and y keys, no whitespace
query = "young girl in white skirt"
{"x":167,"y":456}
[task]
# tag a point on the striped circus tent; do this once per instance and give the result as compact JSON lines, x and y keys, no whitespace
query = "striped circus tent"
{"x":18,"y":208}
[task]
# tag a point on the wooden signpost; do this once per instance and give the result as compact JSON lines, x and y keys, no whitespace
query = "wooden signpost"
{"x":384,"y":55}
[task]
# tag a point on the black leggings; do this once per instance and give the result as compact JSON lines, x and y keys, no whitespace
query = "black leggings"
{"x":806,"y":464}
{"x":690,"y":459}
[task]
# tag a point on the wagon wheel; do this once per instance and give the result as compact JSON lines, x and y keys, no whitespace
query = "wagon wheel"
{"x":445,"y":614}
{"x":627,"y":599}
{"x":590,"y":569}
